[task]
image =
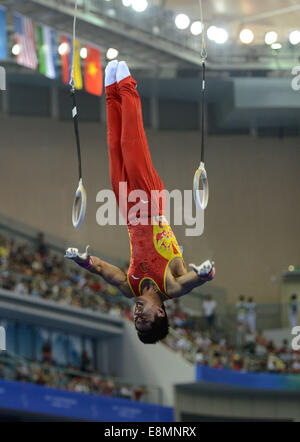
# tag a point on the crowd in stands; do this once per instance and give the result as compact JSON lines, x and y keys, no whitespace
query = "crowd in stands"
{"x":46,"y":373}
{"x":210,"y":347}
{"x":35,"y":271}
{"x":47,"y":276}
{"x":257,"y":355}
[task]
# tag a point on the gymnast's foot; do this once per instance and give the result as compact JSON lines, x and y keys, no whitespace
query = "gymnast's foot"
{"x":111,"y":72}
{"x":122,"y":71}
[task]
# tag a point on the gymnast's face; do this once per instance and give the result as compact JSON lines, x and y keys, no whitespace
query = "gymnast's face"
{"x":145,"y":312}
{"x":143,"y":315}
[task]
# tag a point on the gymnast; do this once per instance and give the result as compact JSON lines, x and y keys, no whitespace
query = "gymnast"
{"x":157,"y":270}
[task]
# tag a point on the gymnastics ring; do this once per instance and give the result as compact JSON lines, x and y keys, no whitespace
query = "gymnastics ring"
{"x":78,"y":211}
{"x":201,"y":174}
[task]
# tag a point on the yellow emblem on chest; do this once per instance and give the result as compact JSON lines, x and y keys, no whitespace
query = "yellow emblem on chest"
{"x":164,"y":239}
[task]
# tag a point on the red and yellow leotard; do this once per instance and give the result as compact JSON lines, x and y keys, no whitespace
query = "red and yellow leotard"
{"x":153,"y":247}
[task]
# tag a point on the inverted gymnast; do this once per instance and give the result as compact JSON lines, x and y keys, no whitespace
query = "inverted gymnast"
{"x":157,"y":270}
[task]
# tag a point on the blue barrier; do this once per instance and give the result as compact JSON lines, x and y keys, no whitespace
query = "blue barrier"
{"x":49,"y":401}
{"x":259,"y":381}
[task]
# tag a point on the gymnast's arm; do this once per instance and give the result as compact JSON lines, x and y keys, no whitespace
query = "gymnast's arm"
{"x":110,"y":273}
{"x":186,"y":283}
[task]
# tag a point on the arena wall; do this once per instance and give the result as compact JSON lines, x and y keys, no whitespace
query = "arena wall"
{"x":250,"y":223}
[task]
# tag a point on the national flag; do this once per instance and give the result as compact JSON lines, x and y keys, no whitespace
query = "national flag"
{"x":93,"y":77}
{"x":66,"y":57}
{"x":77,"y":67}
{"x":24,"y":37}
{"x":3,"y":34}
{"x":46,"y":38}
{"x":67,"y":60}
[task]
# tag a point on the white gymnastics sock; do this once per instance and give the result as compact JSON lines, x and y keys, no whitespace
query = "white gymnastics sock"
{"x":110,"y":73}
{"x":122,"y":71}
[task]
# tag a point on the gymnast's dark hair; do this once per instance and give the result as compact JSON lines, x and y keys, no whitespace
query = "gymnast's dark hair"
{"x":158,"y":331}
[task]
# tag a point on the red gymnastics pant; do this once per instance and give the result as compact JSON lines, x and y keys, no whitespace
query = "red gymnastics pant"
{"x":129,"y":156}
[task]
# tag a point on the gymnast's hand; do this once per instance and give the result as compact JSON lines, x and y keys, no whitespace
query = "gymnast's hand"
{"x":205,"y":271}
{"x":82,"y":259}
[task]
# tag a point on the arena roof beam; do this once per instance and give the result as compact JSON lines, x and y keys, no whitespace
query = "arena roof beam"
{"x":269,"y":14}
{"x":142,"y":48}
{"x":104,"y":29}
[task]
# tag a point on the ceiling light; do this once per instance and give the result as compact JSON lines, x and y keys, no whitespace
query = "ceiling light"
{"x":221,"y":36}
{"x":271,"y":37}
{"x":139,"y":5}
{"x":196,"y":28}
{"x":111,"y":12}
{"x":182,"y":21}
{"x":276,"y":46}
{"x":83,"y":53}
{"x":63,"y":48}
{"x":211,"y":32}
{"x":156,"y":30}
{"x":294,"y":37}
{"x":246,"y":36}
{"x":16,"y":49}
{"x":112,"y":53}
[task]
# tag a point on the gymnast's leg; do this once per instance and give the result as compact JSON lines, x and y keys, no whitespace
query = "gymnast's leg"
{"x":140,"y":171}
{"x":114,"y":129}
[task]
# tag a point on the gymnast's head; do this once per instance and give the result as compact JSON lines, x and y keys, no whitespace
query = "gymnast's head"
{"x":150,"y":317}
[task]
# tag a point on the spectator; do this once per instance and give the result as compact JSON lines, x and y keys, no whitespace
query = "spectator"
{"x":37,"y":264}
{"x":107,"y":387}
{"x":198,"y":338}
{"x":271,"y":363}
{"x":270,"y":346}
{"x":207,"y":342}
{"x":22,"y":288}
{"x":237,"y":362}
{"x":295,"y":368}
{"x":241,"y":311}
{"x":209,"y":307}
{"x":241,"y":321}
{"x":250,"y":342}
{"x":274,"y":364}
{"x":4,"y":253}
{"x":96,"y":382}
{"x":285,"y":347}
{"x":200,"y":359}
{"x":41,"y":247}
{"x":240,"y":334}
{"x":139,"y":392}
{"x":85,"y":362}
{"x":9,"y":282}
{"x":293,"y":311}
{"x":261,"y":340}
{"x":81,"y":385}
{"x":183,"y":344}
{"x":126,"y":392}
{"x":47,"y":352}
{"x":40,"y":378}
{"x":22,"y":373}
{"x":284,"y":352}
{"x":178,"y":317}
{"x":251,"y":315}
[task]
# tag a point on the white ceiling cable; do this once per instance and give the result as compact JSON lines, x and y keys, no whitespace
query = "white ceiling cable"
{"x":203,"y":48}
{"x":72,"y":82}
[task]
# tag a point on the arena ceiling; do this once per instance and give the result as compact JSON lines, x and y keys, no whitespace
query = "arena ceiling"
{"x":282,"y":16}
{"x":151,"y":41}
